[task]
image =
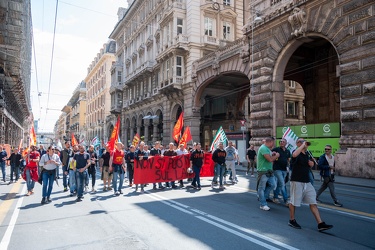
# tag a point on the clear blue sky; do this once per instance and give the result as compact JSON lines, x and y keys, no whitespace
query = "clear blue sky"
{"x":82,"y":27}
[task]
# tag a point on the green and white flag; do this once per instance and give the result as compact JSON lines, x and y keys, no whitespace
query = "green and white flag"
{"x":219,"y":137}
{"x":291,"y":140}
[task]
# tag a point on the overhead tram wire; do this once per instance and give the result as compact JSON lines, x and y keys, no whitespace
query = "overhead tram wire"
{"x":50,"y":72}
{"x":36,"y":72}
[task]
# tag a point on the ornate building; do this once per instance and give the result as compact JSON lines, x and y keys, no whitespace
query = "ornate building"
{"x":192,"y":56}
{"x":98,"y":82}
{"x":15,"y":71}
{"x":157,"y":43}
{"x":75,"y":115}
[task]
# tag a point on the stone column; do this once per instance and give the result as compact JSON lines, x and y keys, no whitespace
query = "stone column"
{"x":300,"y":110}
{"x":146,"y":124}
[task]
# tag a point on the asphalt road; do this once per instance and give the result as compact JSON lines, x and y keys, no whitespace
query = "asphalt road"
{"x":181,"y":219}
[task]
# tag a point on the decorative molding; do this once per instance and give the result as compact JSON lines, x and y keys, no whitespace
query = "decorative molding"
{"x":298,"y":21}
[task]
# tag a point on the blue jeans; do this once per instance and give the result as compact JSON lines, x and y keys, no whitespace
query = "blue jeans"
{"x":14,"y":170}
{"x":65,"y":176}
{"x":48,"y":178}
{"x":80,"y":179}
{"x":196,"y":180}
{"x":219,"y":172}
{"x":264,"y":189}
{"x":2,"y":164}
{"x":117,"y":173}
{"x":29,"y":182}
{"x":280,"y":179}
{"x":72,"y":181}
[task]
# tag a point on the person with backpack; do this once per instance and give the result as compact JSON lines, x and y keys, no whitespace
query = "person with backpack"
{"x":326,"y":165}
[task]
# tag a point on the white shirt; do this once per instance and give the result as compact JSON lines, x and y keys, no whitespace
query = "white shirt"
{"x":49,"y":166}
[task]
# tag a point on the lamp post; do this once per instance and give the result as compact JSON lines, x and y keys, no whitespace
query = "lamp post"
{"x":256,"y":20}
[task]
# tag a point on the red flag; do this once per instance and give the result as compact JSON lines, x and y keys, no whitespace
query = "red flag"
{"x":178,"y":127}
{"x":186,"y":137}
{"x":114,"y":136}
{"x":136,"y":140}
{"x":74,"y":140}
{"x":32,"y":136}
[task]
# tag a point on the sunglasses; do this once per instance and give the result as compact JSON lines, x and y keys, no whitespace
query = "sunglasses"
{"x":327,"y":149}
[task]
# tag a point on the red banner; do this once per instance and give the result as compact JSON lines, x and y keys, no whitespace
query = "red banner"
{"x":169,"y":168}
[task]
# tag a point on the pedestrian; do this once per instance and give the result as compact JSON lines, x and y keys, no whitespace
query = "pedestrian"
{"x":15,"y":161}
{"x":171,"y":152}
{"x":130,"y":156}
{"x":266,"y":179}
{"x":58,"y":152}
{"x":49,"y":162}
{"x":31,"y":169}
{"x":280,"y":170}
{"x":92,"y":168}
{"x":326,"y":165}
{"x":3,"y":158}
{"x":140,"y":155}
{"x":117,"y":167}
{"x":301,"y":189}
{"x":251,"y":160}
{"x":218,"y":158}
{"x":67,"y":156}
{"x":181,"y":151}
{"x":230,"y":160}
{"x":156,"y":151}
{"x":197,"y":158}
{"x":81,"y":161}
{"x":104,"y":169}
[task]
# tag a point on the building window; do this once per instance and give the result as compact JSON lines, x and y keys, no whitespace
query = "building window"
{"x":178,"y":66}
{"x":292,"y":84}
{"x":167,"y":70}
{"x":226,"y":2}
{"x":119,"y":76}
{"x":179,"y":25}
{"x":208,"y":26}
{"x":291,"y":109}
{"x":226,"y":31}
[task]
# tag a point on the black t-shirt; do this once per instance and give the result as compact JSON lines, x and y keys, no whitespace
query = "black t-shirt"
{"x":81,"y":159}
{"x":155,"y":152}
{"x":282,"y":162}
{"x":301,"y":168}
{"x":251,"y":153}
{"x":219,"y":156}
{"x":197,"y":158}
{"x":106,"y":158}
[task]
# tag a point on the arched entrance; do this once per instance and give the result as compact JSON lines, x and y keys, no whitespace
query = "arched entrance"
{"x":311,"y":97}
{"x":223,"y":102}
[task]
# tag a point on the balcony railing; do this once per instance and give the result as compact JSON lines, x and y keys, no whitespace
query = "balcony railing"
{"x":210,"y":40}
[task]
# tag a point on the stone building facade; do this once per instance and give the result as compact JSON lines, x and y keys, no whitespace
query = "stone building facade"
{"x":98,"y":82}
{"x":157,"y":43}
{"x":327,"y":47}
{"x":15,"y":71}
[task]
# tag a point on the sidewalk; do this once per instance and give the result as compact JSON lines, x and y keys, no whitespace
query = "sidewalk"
{"x":353,"y":181}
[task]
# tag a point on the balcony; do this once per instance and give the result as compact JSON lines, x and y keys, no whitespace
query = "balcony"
{"x":131,"y":102}
{"x":155,"y":91}
{"x":173,"y":83}
{"x":138,"y":99}
{"x":147,"y":95}
{"x":210,"y":40}
{"x":116,"y":109}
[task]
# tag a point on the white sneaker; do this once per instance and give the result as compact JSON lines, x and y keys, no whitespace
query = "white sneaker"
{"x":86,"y":188}
{"x":265,"y":208}
{"x":252,"y":175}
{"x":93,"y":190}
{"x":276,"y":201}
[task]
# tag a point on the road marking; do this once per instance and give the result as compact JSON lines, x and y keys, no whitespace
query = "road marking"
{"x":8,"y":233}
{"x":215,"y":221}
{"x":341,"y":210}
{"x":7,"y":203}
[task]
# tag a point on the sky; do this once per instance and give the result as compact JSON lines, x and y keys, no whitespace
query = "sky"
{"x":82,"y":27}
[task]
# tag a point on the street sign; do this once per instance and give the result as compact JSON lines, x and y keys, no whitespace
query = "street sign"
{"x":243,"y":128}
{"x":243,"y":122}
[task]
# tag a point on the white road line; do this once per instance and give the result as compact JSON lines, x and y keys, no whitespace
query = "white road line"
{"x":211,"y":220}
{"x":244,"y":236}
{"x":8,"y":233}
